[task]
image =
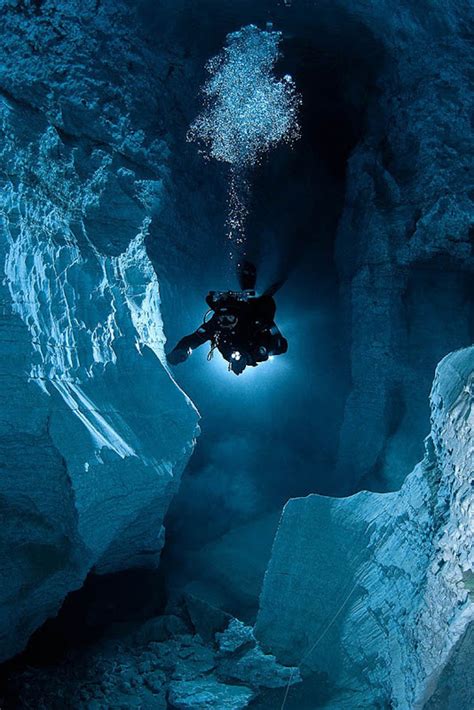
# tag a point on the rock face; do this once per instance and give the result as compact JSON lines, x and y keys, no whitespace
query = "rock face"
{"x":163,"y":663}
{"x":375,"y":590}
{"x":94,"y":432}
{"x":404,"y":243}
{"x":226,"y":574}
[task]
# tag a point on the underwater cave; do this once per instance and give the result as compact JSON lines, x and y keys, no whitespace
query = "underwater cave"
{"x":234,"y":541}
{"x":249,"y":459}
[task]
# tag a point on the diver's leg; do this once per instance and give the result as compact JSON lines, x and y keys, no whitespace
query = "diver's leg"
{"x":277,"y":344}
{"x":247,"y":275}
{"x":271,"y":290}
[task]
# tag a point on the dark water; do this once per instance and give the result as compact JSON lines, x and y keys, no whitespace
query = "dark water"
{"x":273,"y":433}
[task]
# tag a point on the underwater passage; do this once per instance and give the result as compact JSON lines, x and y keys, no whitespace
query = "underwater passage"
{"x":296,"y":537}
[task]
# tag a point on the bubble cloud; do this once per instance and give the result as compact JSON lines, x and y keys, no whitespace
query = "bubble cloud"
{"x":248,"y":110}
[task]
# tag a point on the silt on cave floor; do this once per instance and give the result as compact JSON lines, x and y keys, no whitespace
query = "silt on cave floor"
{"x":203,"y":593}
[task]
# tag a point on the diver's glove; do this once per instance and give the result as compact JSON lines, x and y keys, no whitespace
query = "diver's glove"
{"x":178,"y":355}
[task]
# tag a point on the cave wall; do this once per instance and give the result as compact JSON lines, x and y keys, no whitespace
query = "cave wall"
{"x":405,"y":239}
{"x":374,"y":592}
{"x":101,"y":192}
{"x":94,"y":431}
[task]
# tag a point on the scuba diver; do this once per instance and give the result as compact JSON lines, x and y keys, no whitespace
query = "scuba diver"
{"x":241,"y":326}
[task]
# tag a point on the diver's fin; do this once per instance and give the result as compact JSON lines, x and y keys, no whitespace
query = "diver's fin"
{"x":247,"y":275}
{"x":271,"y":290}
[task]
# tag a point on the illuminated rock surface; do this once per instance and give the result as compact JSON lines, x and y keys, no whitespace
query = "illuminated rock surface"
{"x":94,"y":433}
{"x":375,"y":591}
{"x":110,"y":223}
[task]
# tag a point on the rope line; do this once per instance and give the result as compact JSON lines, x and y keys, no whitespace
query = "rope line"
{"x":320,"y":637}
{"x":339,"y":610}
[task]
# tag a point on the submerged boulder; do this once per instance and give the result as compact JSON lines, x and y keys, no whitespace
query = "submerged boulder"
{"x":127,"y":669}
{"x":206,"y":619}
{"x":242,"y":660}
{"x":375,"y":590}
{"x":208,"y":694}
{"x":236,"y":636}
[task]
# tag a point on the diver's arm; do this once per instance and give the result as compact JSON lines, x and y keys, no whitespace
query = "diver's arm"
{"x":186,"y":345}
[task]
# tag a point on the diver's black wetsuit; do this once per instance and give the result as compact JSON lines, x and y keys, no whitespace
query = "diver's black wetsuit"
{"x":242,"y":328}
